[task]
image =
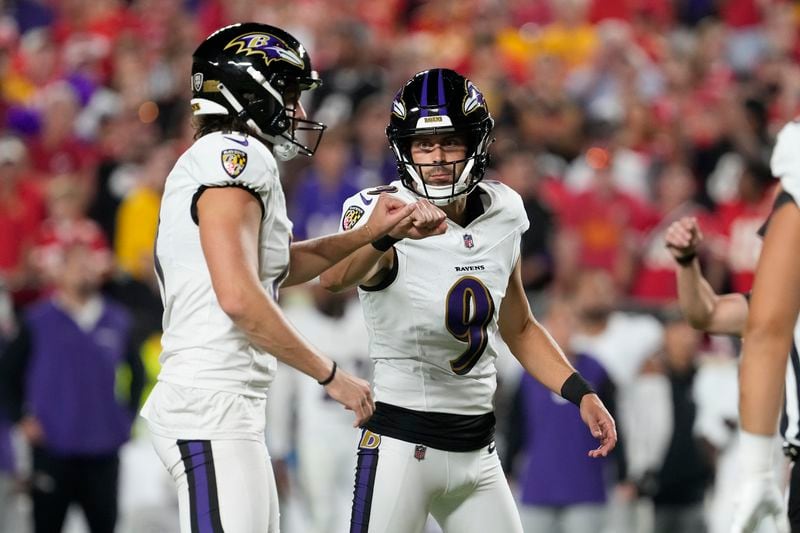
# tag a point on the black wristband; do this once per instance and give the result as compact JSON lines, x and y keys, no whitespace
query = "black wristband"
{"x":686,"y":260}
{"x":575,"y":388}
{"x":330,"y":377}
{"x":384,"y":243}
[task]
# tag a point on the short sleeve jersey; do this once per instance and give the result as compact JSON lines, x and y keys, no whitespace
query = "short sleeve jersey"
{"x":433,"y":324}
{"x":785,"y":163}
{"x":202,"y":347}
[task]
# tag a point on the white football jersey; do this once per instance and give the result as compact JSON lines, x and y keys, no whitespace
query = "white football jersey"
{"x":433,"y":328}
{"x":202,"y":347}
{"x":785,"y":163}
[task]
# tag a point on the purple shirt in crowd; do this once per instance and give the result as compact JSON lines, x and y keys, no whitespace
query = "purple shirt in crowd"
{"x":557,"y":470}
{"x":6,"y":453}
{"x":70,"y":379}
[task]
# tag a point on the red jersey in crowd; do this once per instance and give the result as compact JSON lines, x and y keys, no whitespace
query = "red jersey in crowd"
{"x":738,"y":224}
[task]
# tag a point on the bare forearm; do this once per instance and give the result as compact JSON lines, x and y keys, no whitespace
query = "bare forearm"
{"x":311,"y":258}
{"x":356,"y":269}
{"x":697,"y":298}
{"x":262,"y":321}
{"x":761,"y":378}
{"x":540,"y":356}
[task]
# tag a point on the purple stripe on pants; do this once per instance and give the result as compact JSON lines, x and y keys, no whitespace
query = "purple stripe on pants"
{"x":201,"y":487}
{"x":365,"y":483}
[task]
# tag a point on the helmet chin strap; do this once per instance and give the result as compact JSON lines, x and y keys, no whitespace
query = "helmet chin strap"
{"x":451,"y":192}
{"x":282,"y":148}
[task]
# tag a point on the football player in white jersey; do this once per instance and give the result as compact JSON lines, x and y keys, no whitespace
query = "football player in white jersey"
{"x":222,"y":251}
{"x":433,"y":309}
{"x":772,"y":331}
{"x":726,"y":314}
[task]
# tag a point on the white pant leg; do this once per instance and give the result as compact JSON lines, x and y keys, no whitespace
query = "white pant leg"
{"x":478,"y":498}
{"x":222,"y":485}
{"x":393,"y":490}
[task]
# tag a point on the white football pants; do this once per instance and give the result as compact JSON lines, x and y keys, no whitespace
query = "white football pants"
{"x":223,"y":485}
{"x":398,"y":483}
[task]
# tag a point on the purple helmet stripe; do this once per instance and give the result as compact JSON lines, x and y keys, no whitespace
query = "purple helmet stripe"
{"x":423,"y":101}
{"x":362,"y":495}
{"x":441,"y":100}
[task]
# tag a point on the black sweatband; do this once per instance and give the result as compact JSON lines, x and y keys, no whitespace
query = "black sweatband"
{"x":575,"y":388}
{"x":330,"y":377}
{"x":686,"y":260}
{"x":384,"y":243}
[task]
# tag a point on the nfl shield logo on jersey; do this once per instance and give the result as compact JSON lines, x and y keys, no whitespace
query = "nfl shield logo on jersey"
{"x":233,"y":161}
{"x":419,"y":452}
{"x":468,"y":242}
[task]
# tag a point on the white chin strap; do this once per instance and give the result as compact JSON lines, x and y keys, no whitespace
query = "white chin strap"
{"x":441,"y":194}
{"x":282,"y":148}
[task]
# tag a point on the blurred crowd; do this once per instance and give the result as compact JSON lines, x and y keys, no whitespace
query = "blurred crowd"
{"x":613,"y":119}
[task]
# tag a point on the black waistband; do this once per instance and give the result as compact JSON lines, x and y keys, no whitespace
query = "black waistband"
{"x":443,"y":431}
{"x":791,"y":451}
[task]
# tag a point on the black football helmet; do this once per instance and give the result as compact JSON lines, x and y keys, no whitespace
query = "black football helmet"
{"x":434,"y":102}
{"x":257,"y":72}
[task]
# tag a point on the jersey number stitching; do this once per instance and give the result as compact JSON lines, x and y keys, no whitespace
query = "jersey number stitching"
{"x":469,"y":311}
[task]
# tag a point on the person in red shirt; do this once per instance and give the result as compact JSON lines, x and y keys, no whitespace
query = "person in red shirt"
{"x":597,"y":226}
{"x":57,"y":150}
{"x":21,"y":214}
{"x":654,"y":282}
{"x":739,"y":221}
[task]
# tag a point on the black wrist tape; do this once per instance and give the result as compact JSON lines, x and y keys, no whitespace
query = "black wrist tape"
{"x":330,"y":377}
{"x":384,"y":243}
{"x":686,"y":260}
{"x":575,"y":388}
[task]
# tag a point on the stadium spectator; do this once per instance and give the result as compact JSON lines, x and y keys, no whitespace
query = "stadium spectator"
{"x":552,"y":439}
{"x":137,"y":216}
{"x":323,"y":186}
{"x":22,"y":211}
{"x":679,"y":485}
{"x":654,"y":283}
{"x":739,"y":221}
{"x":58,"y":384}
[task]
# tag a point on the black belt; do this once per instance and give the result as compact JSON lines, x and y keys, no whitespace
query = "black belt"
{"x":791,"y":451}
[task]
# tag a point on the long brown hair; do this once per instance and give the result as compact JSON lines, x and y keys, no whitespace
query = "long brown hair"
{"x":205,"y":124}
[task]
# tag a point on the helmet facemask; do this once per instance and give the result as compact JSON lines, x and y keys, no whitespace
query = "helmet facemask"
{"x":412,"y":174}
{"x":440,"y":102}
{"x":293,"y":135}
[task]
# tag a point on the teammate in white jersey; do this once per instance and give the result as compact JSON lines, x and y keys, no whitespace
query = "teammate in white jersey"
{"x":433,"y":309}
{"x":771,"y":332}
{"x":223,"y":250}
{"x":726,"y":314}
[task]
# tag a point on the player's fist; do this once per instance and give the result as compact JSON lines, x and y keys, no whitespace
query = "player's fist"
{"x":759,"y":500}
{"x":424,"y":221}
{"x":353,"y":393}
{"x":388,"y":212}
{"x":683,"y":236}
